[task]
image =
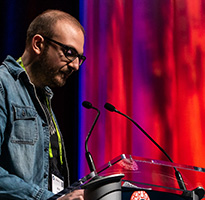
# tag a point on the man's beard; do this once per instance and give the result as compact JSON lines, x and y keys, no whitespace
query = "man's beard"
{"x":46,"y":73}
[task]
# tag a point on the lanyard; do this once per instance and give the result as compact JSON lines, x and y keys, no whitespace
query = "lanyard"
{"x":21,"y":63}
{"x":56,"y":127}
{"x":58,"y":134}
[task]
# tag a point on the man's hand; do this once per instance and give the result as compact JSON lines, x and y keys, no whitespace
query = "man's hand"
{"x":75,"y":195}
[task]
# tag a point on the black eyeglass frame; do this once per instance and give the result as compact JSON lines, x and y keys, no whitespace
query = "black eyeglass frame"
{"x":67,"y":48}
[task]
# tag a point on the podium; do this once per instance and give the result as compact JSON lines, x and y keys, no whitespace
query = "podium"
{"x":129,"y":177}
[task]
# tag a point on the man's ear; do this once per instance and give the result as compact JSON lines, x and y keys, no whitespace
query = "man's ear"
{"x":37,"y":44}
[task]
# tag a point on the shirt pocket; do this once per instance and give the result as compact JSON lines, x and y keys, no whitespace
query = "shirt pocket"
{"x":24,"y":129}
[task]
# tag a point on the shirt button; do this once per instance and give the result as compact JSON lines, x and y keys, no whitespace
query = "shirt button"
{"x":46,"y":149}
{"x":45,"y":175}
{"x":44,"y":124}
{"x":23,"y":113}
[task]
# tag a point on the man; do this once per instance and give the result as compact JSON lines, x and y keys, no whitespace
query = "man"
{"x":32,"y":158}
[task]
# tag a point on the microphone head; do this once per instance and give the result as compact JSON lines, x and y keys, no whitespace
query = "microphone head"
{"x":87,"y":104}
{"x":109,"y":107}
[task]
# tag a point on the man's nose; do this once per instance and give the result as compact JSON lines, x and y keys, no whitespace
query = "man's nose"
{"x":75,"y":64}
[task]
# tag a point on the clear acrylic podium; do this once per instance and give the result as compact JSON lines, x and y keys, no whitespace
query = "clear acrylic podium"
{"x":129,"y":177}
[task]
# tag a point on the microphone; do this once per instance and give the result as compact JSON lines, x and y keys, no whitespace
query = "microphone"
{"x":88,"y":155}
{"x":78,"y":184}
{"x":178,"y":175}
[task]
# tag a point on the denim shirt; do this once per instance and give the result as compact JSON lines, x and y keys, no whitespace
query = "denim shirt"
{"x":24,"y":136}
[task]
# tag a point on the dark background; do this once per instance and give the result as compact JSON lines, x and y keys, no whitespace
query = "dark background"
{"x":15,"y":17}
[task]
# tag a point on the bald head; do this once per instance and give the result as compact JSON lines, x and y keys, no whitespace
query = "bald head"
{"x":44,"y":24}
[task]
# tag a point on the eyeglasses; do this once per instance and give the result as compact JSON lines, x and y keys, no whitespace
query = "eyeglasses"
{"x":70,"y":53}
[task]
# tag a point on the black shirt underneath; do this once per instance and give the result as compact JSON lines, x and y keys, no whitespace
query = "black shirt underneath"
{"x":55,"y":166}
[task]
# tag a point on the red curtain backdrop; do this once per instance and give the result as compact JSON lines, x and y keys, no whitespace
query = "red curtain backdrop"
{"x":147,"y":58}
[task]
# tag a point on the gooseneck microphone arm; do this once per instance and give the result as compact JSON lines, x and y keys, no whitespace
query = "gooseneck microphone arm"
{"x":88,"y":155}
{"x":112,"y":108}
{"x":178,"y":175}
{"x":89,"y":159}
